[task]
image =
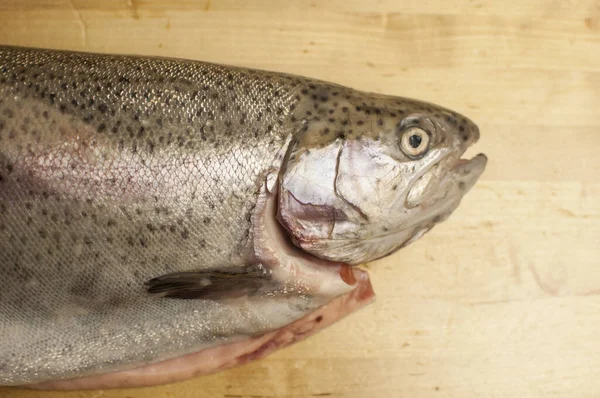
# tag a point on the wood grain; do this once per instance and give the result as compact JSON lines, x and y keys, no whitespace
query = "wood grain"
{"x":501,"y":300}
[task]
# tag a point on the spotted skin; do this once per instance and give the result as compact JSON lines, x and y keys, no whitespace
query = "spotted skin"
{"x":115,"y":170}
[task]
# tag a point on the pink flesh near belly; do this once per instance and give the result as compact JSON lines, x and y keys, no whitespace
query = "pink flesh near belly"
{"x":228,"y":355}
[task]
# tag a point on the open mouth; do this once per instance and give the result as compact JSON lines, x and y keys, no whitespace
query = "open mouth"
{"x":467,"y":171}
{"x":445,"y":183}
{"x":461,"y":163}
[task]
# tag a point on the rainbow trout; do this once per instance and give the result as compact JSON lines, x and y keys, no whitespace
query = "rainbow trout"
{"x":163,"y":218}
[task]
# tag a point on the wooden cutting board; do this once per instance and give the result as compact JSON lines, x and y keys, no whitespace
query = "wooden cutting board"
{"x":501,"y":300}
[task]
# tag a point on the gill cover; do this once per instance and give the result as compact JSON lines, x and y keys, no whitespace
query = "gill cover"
{"x":356,"y":188}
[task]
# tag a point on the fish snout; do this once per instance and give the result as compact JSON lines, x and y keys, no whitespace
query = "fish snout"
{"x":469,"y":133}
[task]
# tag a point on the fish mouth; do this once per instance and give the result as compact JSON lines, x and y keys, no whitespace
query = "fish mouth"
{"x":455,"y":177}
{"x":469,"y":169}
{"x":475,"y":159}
{"x":440,"y":180}
{"x":466,"y":172}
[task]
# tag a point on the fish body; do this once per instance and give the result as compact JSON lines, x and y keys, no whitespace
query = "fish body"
{"x":152,"y":208}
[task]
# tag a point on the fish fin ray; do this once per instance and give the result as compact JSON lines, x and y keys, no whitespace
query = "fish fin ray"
{"x":213,"y":284}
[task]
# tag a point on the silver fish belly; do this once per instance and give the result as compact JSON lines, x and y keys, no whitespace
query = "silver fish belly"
{"x":140,"y":209}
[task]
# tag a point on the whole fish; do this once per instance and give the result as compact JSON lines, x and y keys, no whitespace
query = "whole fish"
{"x":163,"y":218}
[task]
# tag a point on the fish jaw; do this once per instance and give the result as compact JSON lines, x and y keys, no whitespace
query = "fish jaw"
{"x":467,"y":172}
{"x":218,"y":358}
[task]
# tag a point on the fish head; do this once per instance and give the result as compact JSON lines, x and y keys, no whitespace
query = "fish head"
{"x":377,"y":178}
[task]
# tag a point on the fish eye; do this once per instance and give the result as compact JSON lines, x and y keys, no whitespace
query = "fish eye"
{"x":414,"y":142}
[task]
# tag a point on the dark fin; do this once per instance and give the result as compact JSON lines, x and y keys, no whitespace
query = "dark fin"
{"x":212,"y":284}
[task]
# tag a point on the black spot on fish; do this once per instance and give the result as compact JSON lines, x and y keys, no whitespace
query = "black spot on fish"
{"x":185,"y":234}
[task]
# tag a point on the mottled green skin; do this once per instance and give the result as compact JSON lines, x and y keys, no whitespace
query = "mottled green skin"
{"x":115,"y":170}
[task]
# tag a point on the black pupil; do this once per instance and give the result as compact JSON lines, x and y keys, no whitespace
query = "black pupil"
{"x":414,"y":141}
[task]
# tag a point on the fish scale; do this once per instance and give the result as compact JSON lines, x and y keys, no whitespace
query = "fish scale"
{"x":144,"y":112}
{"x":122,"y":172}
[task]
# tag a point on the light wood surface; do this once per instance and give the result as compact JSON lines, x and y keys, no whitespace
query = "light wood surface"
{"x":502,"y":300}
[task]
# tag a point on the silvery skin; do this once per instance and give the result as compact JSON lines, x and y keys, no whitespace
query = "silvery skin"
{"x":152,"y":208}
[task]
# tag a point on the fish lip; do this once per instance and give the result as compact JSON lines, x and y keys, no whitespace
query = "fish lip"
{"x":463,"y":162}
{"x":474,"y":166}
{"x":474,"y":134}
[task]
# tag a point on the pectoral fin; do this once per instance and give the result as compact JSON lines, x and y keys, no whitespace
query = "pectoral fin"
{"x":217,"y":284}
